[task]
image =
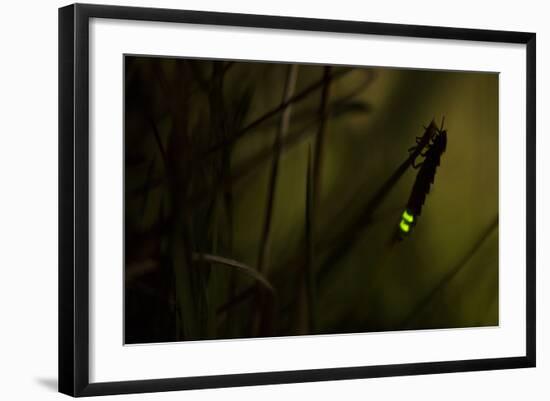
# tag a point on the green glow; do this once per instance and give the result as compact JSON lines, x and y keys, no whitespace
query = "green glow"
{"x":404,"y":226}
{"x":408,"y":217}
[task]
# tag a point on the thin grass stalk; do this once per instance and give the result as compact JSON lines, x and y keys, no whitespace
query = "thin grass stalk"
{"x":265,"y":239}
{"x":218,"y":113}
{"x":149,"y":177}
{"x":313,"y":196}
{"x":238,"y":266}
{"x":309,"y":286}
{"x":147,"y":191}
{"x":189,"y":283}
{"x":219,"y":130}
{"x":320,"y":141}
{"x":227,"y":66}
{"x":158,"y":140}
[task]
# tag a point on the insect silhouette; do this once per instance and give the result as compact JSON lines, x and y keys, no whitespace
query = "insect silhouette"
{"x":435,"y":140}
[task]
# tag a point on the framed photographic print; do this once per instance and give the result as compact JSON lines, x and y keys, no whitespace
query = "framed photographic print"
{"x":249,"y":199}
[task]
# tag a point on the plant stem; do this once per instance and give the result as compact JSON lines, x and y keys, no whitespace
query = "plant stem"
{"x":265,"y":239}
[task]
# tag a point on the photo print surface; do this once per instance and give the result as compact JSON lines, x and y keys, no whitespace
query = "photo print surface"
{"x":270,"y":199}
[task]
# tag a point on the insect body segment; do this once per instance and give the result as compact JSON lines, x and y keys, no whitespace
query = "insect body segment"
{"x":426,"y":172}
{"x":436,"y":145}
{"x":407,"y":221}
{"x":423,"y":141}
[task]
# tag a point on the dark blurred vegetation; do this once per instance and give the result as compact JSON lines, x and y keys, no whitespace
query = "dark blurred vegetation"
{"x":261,"y":200}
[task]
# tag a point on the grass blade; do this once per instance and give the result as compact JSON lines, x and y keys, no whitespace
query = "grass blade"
{"x":249,"y":271}
{"x":309,"y":290}
{"x":264,"y":310}
{"x":272,"y":184}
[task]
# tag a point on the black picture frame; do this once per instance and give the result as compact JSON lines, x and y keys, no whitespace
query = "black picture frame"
{"x":74,"y":198}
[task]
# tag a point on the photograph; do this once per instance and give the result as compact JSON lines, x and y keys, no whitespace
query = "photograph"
{"x":272,"y":199}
